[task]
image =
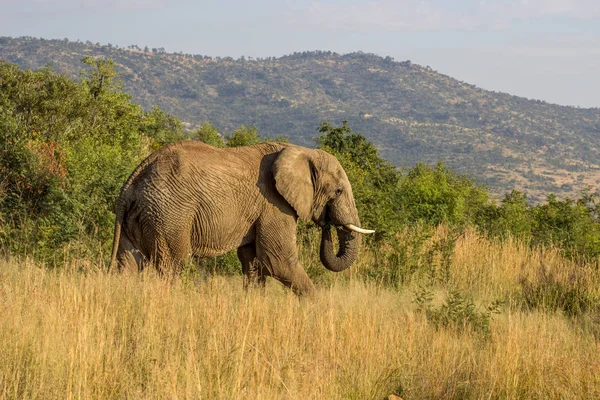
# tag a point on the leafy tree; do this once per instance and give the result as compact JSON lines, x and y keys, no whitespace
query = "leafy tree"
{"x":568,"y":223}
{"x":512,"y":218}
{"x":343,"y":141}
{"x":437,"y":195}
{"x":389,"y":199}
{"x":208,"y":134}
{"x":65,"y":150}
{"x":100,"y":77}
{"x":244,"y":136}
{"x":162,"y":128}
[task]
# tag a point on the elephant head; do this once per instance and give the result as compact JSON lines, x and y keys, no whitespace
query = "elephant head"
{"x":314,"y":183}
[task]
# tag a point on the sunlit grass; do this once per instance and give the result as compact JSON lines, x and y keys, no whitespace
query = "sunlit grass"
{"x":80,"y":332}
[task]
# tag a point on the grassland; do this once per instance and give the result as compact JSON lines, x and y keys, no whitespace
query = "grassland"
{"x":79,"y":332}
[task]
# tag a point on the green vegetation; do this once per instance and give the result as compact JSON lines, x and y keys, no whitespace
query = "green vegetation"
{"x":457,"y":312}
{"x":65,"y":150}
{"x":412,"y":113}
{"x":67,"y":147}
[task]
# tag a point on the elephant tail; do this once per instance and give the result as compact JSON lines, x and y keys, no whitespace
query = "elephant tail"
{"x":121,"y":210}
{"x":123,"y":204}
{"x":116,"y":238}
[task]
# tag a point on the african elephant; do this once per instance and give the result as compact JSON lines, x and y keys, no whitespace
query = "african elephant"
{"x":191,"y":199}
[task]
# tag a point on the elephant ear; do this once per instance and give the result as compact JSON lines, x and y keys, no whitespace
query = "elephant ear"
{"x":292,"y":171}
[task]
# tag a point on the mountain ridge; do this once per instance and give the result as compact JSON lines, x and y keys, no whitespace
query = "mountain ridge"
{"x":412,"y":113}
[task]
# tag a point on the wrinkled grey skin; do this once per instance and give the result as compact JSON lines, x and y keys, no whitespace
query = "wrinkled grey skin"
{"x":191,"y":199}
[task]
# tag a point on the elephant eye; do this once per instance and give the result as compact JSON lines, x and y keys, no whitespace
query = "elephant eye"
{"x":338,"y":192}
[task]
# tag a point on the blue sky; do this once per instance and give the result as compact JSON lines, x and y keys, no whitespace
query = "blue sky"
{"x":542,"y":49}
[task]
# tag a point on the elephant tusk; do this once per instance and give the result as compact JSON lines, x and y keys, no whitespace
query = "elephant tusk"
{"x":357,"y":229}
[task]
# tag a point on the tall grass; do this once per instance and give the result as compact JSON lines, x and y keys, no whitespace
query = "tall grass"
{"x":80,"y":332}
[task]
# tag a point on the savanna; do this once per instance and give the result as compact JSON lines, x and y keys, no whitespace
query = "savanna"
{"x":456,"y":296}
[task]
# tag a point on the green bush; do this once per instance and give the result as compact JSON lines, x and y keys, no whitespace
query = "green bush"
{"x":244,"y":136}
{"x":512,"y":218}
{"x":414,"y":254}
{"x":388,"y":199}
{"x":374,"y":180}
{"x":438,"y":196}
{"x":208,"y":134}
{"x":399,"y":259}
{"x":458,"y":312}
{"x":569,"y":224}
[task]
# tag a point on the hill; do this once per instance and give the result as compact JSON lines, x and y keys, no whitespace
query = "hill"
{"x":411,"y":112}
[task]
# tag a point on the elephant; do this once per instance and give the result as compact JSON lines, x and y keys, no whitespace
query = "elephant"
{"x":191,"y":199}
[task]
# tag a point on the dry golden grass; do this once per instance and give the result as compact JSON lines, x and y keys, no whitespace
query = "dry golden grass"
{"x":82,"y":333}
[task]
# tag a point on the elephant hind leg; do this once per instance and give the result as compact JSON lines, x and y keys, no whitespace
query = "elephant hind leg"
{"x":254,"y":275}
{"x":129,"y":258}
{"x":166,"y":265}
{"x":170,"y":253}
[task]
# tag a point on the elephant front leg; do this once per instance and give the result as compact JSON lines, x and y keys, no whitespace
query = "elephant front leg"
{"x":295,"y":277}
{"x":254,"y":275}
{"x":277,"y":253}
{"x":287,"y":270}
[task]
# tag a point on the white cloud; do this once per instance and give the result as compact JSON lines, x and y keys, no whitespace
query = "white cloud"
{"x":533,"y":9}
{"x":379,"y":15}
{"x":423,"y":15}
{"x":85,"y":5}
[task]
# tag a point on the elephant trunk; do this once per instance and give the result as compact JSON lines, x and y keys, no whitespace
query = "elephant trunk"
{"x":349,"y":243}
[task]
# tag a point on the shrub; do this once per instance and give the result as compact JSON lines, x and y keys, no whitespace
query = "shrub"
{"x":400,"y":257}
{"x":208,"y":134}
{"x":457,"y":312}
{"x":244,"y":136}
{"x":374,"y":180}
{"x":569,"y":224}
{"x":512,"y":218}
{"x":438,"y":196}
{"x":388,"y":199}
